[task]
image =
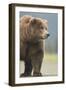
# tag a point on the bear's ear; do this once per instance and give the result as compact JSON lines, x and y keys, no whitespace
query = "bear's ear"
{"x":33,"y":21}
{"x":46,"y":21}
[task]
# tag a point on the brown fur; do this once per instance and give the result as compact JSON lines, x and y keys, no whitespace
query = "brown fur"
{"x":32,"y":30}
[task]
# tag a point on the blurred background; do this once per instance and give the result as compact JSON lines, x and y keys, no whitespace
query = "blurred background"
{"x":50,"y":61}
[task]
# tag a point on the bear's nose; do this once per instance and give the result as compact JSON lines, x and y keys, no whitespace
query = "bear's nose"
{"x":48,"y":34}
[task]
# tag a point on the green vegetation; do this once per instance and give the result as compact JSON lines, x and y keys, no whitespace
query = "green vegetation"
{"x":51,"y":57}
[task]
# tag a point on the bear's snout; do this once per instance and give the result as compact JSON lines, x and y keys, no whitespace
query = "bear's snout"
{"x":48,"y":35}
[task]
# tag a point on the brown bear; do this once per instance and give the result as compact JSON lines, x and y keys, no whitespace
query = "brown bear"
{"x":32,"y":33}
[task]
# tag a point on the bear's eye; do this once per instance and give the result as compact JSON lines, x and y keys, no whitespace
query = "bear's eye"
{"x":45,"y":28}
{"x":42,"y":27}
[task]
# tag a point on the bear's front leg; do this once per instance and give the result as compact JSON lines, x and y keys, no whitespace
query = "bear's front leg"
{"x":28,"y":68}
{"x":37,"y":63}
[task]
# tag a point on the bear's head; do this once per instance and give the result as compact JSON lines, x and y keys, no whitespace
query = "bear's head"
{"x":38,"y":29}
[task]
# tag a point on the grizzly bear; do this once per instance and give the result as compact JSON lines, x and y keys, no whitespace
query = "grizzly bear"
{"x":32,"y":33}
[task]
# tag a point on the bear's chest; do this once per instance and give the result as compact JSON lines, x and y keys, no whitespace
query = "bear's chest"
{"x":34,"y":49}
{"x":28,"y":50}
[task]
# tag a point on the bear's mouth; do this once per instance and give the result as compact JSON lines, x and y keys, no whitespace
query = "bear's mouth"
{"x":38,"y":39}
{"x":42,"y":38}
{"x":45,"y":37}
